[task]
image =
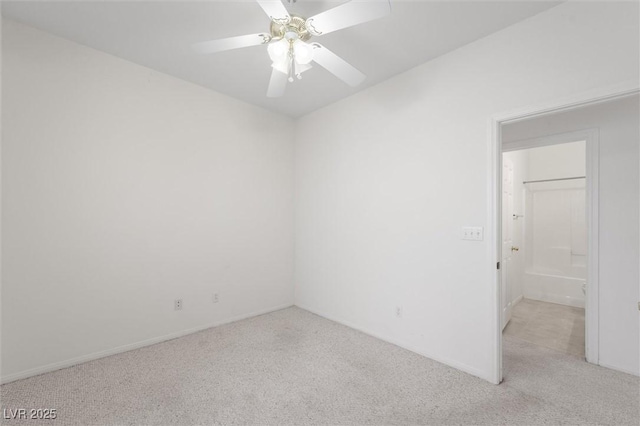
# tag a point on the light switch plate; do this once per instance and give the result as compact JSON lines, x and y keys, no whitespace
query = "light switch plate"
{"x":473,"y":233}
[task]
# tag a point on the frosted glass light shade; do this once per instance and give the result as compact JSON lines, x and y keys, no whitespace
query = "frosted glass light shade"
{"x":282,"y":65}
{"x":278,"y":50}
{"x":303,"y":52}
{"x":300,"y":68}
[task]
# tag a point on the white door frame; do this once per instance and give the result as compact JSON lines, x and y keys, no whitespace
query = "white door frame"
{"x":495,"y":205}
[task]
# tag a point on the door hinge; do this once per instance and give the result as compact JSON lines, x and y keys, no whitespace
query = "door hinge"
{"x":498,"y":267}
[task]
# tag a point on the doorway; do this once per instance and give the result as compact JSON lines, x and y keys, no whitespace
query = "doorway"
{"x":609,"y":126}
{"x":544,"y":249}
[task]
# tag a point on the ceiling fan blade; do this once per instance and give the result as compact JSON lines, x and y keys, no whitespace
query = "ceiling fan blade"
{"x":336,"y":65}
{"x":275,"y":10}
{"x":348,"y":14}
{"x":277,"y":84}
{"x":223,"y":44}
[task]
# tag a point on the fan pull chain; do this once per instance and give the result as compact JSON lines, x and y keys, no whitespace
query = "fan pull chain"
{"x":291,"y":71}
{"x":290,"y":62}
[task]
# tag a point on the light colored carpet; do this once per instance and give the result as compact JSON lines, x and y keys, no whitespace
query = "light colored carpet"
{"x":550,"y":325}
{"x":293,"y":367}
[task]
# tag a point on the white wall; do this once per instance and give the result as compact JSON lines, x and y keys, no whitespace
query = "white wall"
{"x":124,"y":189}
{"x":618,"y":125}
{"x":385,"y":179}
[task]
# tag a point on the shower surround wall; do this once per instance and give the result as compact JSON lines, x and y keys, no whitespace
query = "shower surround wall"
{"x":555,"y":226}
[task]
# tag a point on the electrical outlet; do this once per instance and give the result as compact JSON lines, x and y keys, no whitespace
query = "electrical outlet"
{"x":398,"y":311}
{"x":215,"y":298}
{"x":177,"y":304}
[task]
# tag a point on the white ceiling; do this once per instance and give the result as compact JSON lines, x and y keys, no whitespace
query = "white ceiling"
{"x":160,"y":35}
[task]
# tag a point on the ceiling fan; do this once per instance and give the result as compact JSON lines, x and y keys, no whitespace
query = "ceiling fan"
{"x":288,"y":35}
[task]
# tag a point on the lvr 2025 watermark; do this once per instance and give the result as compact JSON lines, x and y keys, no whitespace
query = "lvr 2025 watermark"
{"x":29,"y":413}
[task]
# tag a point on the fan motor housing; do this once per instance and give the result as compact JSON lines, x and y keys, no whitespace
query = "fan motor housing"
{"x":296,"y":24}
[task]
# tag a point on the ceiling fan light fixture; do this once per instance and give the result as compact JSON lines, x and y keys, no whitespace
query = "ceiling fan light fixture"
{"x":290,"y":55}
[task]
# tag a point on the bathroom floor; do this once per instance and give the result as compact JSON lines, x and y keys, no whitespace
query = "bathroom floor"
{"x":550,"y":325}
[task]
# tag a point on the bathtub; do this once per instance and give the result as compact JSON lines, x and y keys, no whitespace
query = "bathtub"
{"x":554,"y":288}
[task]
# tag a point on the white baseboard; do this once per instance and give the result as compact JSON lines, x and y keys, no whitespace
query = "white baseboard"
{"x":558,"y":300}
{"x":622,"y":370}
{"x":125,"y":348}
{"x":517,"y":300}
{"x":449,"y":362}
